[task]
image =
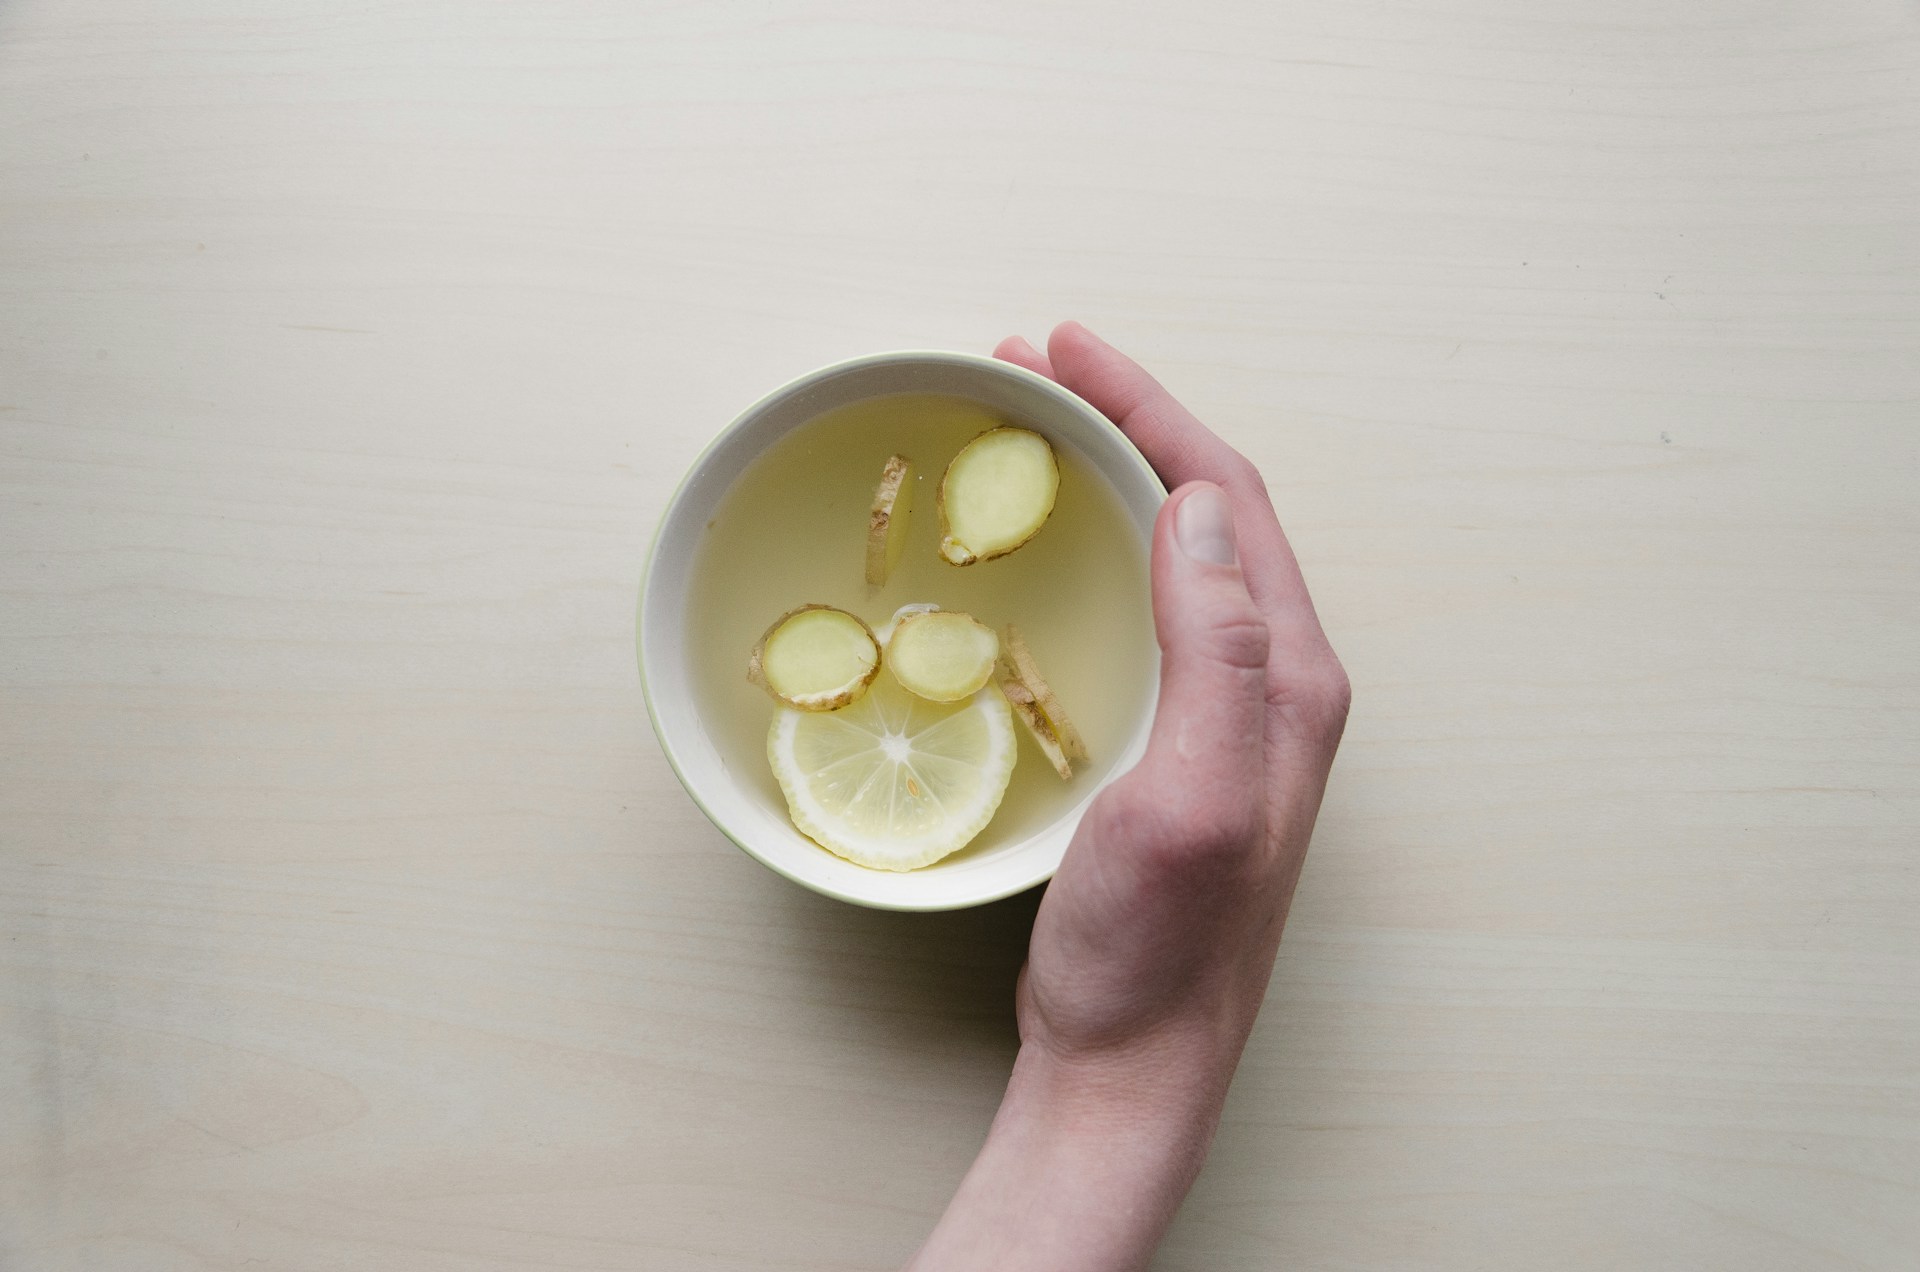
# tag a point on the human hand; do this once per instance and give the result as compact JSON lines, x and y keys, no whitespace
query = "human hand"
{"x":1153,"y":946}
{"x":1152,"y":949}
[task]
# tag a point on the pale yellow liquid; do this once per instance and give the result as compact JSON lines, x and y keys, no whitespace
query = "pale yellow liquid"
{"x":792,"y":531}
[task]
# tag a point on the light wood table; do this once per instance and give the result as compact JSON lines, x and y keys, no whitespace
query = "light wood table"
{"x":351,"y":917}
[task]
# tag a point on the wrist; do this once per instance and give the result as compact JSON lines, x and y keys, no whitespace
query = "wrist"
{"x":1086,"y":1163}
{"x":1161,"y":1101}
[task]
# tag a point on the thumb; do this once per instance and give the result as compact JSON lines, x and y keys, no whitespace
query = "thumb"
{"x":1209,"y":727}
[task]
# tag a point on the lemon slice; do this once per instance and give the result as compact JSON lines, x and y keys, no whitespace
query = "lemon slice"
{"x":894,"y":782}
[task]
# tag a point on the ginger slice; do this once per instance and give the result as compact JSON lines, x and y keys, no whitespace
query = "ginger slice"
{"x":1027,"y":708}
{"x":884,"y":632}
{"x":942,"y":655}
{"x":1020,"y":659}
{"x":887,"y":523}
{"x":815,"y":658}
{"x":996,"y":494}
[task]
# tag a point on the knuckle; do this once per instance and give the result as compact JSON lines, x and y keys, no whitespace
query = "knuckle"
{"x":1244,"y":473}
{"x":1327,"y":694}
{"x":1333,"y":691}
{"x":1319,"y":697}
{"x":1237,"y":634}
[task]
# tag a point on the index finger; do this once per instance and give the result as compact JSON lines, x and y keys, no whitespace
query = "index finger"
{"x":1182,"y":449}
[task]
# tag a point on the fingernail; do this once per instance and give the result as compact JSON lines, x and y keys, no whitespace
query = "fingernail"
{"x":1203,"y":525}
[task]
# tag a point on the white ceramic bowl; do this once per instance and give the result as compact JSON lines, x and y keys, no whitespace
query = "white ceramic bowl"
{"x":747,"y":815}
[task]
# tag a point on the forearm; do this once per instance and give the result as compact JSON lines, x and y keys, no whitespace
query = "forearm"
{"x":1083,"y":1168}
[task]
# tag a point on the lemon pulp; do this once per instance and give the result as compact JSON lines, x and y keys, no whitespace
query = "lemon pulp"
{"x":894,"y":782}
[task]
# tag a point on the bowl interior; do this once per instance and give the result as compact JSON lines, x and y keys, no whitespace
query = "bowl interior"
{"x":741,"y":809}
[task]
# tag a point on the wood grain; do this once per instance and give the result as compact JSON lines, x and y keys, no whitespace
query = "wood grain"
{"x":347,"y":353}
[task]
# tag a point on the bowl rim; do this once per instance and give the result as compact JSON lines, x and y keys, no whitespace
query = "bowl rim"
{"x":1053,"y":388}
